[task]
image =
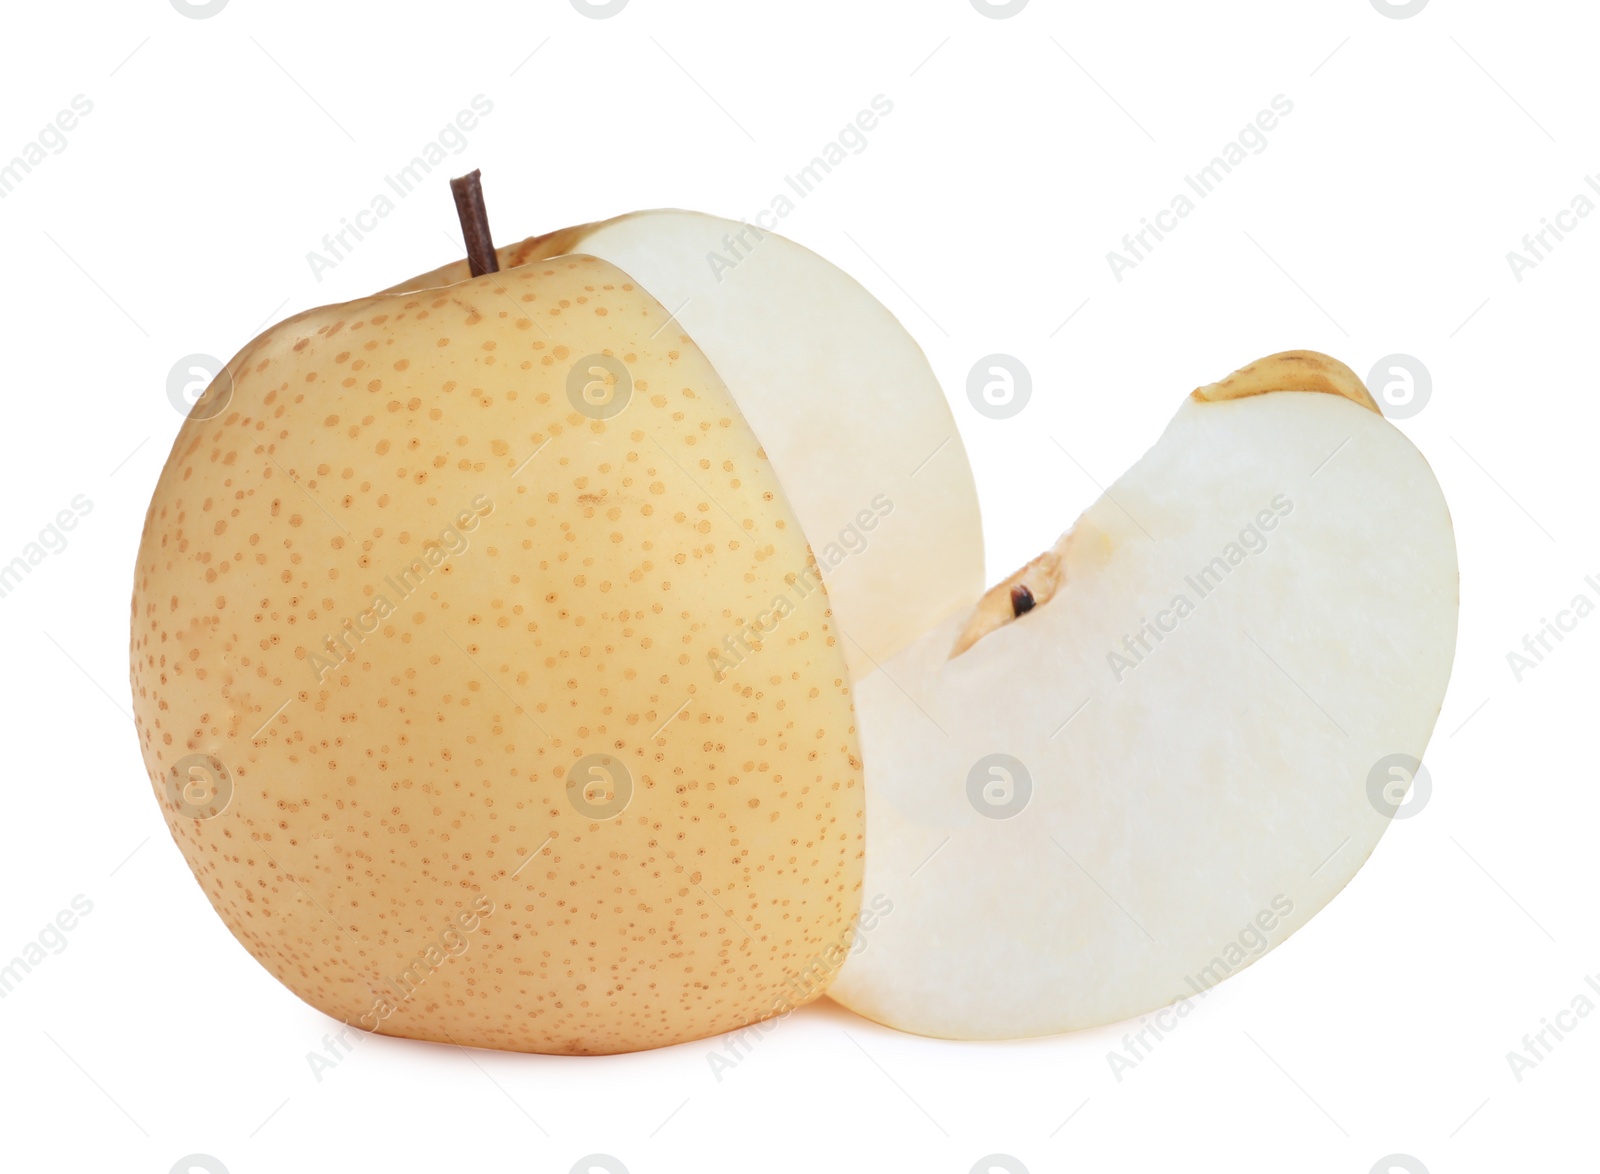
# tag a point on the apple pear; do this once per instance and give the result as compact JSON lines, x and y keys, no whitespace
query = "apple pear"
{"x":1145,"y":759}
{"x":491,"y":635}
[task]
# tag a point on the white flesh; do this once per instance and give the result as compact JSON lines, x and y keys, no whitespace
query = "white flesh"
{"x":1225,"y":771}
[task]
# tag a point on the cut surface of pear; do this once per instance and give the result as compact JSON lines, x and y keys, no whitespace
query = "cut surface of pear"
{"x":1165,"y":767}
{"x":846,"y":406}
{"x":434,"y":641}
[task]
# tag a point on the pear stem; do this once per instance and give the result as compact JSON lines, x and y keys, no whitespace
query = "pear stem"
{"x":468,"y":191}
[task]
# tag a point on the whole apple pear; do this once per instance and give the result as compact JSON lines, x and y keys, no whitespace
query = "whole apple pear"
{"x":427,"y":622}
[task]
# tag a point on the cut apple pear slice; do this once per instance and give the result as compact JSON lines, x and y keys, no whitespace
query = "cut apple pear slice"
{"x":1087,"y":808}
{"x":841,"y":397}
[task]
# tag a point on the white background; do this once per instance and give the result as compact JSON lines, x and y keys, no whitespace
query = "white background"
{"x":1377,"y":220}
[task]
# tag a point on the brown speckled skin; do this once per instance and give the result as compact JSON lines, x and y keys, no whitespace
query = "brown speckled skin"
{"x":385,"y":808}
